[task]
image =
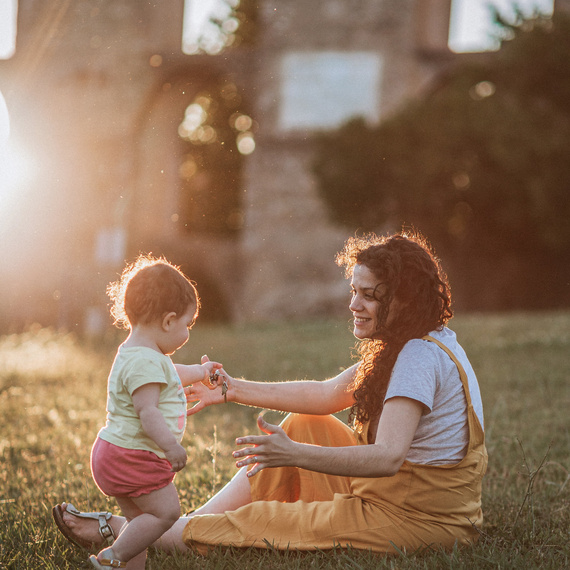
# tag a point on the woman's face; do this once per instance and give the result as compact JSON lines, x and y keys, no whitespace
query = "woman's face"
{"x":366,"y":289}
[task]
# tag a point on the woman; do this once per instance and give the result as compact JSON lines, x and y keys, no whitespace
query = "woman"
{"x":409,"y":476}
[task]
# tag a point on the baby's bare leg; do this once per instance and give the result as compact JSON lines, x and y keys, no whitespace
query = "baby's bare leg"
{"x":234,"y":495}
{"x":149,"y":517}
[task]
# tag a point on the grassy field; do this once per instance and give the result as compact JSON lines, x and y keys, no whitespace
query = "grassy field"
{"x":52,"y":398}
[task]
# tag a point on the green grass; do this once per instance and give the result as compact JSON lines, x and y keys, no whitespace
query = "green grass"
{"x":52,"y":394}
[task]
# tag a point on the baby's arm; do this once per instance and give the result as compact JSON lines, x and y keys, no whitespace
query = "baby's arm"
{"x":190,"y":373}
{"x":145,"y":402}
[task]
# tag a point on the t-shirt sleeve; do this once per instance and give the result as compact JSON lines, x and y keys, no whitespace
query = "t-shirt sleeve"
{"x":414,"y":374}
{"x":143,"y":371}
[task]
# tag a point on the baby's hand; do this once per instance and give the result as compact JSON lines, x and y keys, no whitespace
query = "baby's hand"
{"x":176,"y":456}
{"x":205,"y":373}
{"x":213,"y":376}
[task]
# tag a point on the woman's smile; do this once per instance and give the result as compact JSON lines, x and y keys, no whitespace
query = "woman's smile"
{"x":363,"y":303}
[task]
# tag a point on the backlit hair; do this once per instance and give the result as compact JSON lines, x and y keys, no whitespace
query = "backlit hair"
{"x":148,"y":289}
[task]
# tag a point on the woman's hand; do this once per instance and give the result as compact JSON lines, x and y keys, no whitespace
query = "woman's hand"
{"x":275,"y":449}
{"x":204,"y":396}
{"x":215,"y":391}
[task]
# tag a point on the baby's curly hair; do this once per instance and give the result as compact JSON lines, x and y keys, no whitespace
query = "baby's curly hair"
{"x":148,"y":289}
{"x":406,"y":264}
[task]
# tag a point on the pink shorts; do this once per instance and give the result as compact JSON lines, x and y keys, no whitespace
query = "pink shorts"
{"x":120,"y":472}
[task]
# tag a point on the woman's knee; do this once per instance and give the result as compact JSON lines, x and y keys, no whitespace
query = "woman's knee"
{"x":172,"y":539}
{"x":299,"y":423}
{"x":321,"y":430}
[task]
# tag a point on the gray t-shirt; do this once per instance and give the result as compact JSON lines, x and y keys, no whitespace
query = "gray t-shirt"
{"x":424,"y":372}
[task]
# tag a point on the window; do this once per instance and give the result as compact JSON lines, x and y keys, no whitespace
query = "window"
{"x":472,"y":28}
{"x":8,"y":14}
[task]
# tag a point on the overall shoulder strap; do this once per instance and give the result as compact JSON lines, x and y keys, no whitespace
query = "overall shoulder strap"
{"x":462,"y":373}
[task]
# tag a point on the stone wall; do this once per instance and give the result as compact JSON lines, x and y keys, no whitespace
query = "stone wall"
{"x":288,"y":244}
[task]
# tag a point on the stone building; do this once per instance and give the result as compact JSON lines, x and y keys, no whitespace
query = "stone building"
{"x":98,"y":90}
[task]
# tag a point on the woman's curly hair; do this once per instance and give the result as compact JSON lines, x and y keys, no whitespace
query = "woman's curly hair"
{"x":411,"y":273}
{"x":148,"y":289}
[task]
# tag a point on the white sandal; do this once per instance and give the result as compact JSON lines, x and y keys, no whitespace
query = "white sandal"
{"x":106,"y":562}
{"x":105,"y":530}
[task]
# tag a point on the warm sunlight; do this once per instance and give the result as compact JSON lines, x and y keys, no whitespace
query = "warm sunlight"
{"x":16,"y":171}
{"x":4,"y":121}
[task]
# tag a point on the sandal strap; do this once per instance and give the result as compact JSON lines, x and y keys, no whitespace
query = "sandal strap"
{"x":96,"y":515}
{"x":112,"y":563}
{"x":105,"y":530}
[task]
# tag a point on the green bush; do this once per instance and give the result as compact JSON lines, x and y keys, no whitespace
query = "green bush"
{"x":481,"y":165}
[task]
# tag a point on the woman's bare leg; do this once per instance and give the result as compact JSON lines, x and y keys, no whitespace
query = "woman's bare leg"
{"x":234,"y":495}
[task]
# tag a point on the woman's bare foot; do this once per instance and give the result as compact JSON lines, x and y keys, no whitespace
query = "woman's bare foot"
{"x":88,"y":529}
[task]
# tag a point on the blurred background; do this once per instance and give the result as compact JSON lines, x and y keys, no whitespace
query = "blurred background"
{"x":246,"y":140}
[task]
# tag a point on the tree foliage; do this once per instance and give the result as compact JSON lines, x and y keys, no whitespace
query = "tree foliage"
{"x":230,"y":23}
{"x":481,"y":165}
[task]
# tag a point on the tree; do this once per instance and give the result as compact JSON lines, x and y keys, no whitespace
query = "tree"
{"x":230,"y":23}
{"x":481,"y":165}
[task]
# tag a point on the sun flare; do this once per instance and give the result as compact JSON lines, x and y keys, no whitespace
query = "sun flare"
{"x":16,"y":171}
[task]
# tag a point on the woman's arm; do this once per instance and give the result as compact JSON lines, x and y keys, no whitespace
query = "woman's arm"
{"x":300,"y":396}
{"x":396,"y":429}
